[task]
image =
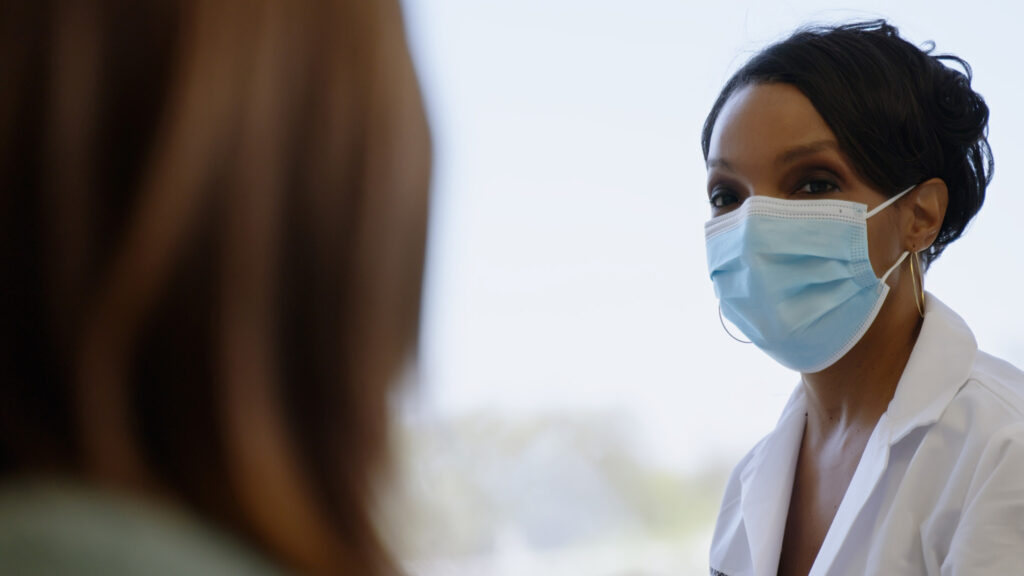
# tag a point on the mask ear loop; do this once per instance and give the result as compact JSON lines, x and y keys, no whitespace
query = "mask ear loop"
{"x":899,"y":261}
{"x":726,"y":328}
{"x":887,"y":203}
{"x":918,"y":286}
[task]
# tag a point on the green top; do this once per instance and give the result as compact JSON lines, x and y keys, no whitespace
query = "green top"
{"x":53,"y":528}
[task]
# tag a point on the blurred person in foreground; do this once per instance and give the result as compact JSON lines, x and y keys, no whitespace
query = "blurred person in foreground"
{"x":213,"y":217}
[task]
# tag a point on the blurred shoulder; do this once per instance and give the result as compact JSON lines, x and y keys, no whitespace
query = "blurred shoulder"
{"x":58,"y":527}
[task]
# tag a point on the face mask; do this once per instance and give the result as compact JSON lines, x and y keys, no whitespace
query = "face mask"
{"x":795,"y":277}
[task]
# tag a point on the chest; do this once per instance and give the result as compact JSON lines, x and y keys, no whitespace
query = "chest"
{"x":821,"y":480}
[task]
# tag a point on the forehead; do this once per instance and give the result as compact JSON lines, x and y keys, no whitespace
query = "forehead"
{"x":761,"y":121}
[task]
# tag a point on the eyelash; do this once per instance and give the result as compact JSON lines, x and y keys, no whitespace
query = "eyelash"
{"x":830,"y":183}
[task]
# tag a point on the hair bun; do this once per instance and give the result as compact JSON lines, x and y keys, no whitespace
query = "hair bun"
{"x":952,"y":97}
{"x":962,"y":112}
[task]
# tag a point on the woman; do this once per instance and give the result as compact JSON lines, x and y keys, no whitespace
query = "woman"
{"x":212,"y":222}
{"x":841,"y":163}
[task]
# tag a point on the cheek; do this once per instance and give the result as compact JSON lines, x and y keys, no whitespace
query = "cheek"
{"x":883,"y":241}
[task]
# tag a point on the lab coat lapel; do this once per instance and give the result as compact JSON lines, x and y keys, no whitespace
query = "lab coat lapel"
{"x":767,"y":484}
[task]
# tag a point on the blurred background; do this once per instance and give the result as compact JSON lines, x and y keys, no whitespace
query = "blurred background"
{"x":576,"y":407}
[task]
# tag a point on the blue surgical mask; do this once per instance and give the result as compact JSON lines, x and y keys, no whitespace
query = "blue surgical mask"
{"x":795,"y":277}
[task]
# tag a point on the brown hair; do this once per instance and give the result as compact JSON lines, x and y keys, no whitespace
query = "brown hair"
{"x":212,"y":223}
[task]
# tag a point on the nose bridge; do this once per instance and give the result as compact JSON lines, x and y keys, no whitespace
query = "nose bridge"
{"x":765,"y":183}
{"x":761,"y":176}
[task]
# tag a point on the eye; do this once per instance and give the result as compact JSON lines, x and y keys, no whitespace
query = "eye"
{"x":818,"y":186}
{"x":722,"y":197}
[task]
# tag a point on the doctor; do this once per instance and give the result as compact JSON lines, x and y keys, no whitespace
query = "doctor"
{"x":841,"y":162}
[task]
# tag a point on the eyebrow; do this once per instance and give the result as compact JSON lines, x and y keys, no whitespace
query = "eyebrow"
{"x":718,"y":162}
{"x":797,"y":152}
{"x":787,"y":157}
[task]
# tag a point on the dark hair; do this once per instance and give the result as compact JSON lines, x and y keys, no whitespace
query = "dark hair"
{"x":212,"y":230}
{"x":901,"y":116}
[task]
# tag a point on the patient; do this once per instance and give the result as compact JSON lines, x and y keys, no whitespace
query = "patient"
{"x":212,"y":224}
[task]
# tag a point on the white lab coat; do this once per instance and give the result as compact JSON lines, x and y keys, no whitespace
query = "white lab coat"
{"x":939,"y":489}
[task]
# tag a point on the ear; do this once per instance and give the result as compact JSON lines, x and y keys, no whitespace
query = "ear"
{"x":923,"y":213}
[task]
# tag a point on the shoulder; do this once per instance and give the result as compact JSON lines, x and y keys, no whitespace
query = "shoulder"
{"x":730,"y":510}
{"x":790,"y":420}
{"x":985,"y":414}
{"x":990,"y":403}
{"x":1000,"y":381}
{"x":786,"y":432}
{"x":728,"y":527}
{"x":983,"y":428}
{"x":990,"y":532}
{"x":743,"y":467}
{"x":49,"y":527}
{"x":950,"y":380}
{"x":729,"y":539}
{"x":992,"y":399}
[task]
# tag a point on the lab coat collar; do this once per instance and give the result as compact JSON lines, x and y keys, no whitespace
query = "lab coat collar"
{"x":938,"y":367}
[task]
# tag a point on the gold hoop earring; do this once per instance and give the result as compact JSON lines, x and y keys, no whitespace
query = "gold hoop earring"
{"x":726,"y":328}
{"x":918,"y":286}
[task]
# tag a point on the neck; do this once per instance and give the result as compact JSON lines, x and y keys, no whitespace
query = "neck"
{"x":853,"y":393}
